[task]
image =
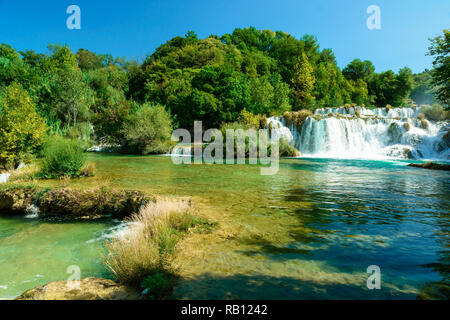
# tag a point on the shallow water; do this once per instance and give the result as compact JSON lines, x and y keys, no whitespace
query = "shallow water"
{"x":34,"y":252}
{"x":310,"y":231}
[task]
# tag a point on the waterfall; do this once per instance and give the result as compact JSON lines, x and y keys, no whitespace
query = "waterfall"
{"x":4,"y":177}
{"x":358,"y":132}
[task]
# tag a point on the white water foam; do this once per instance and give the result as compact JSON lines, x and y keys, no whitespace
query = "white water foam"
{"x":116,"y":232}
{"x":374,"y":134}
{"x":4,"y":177}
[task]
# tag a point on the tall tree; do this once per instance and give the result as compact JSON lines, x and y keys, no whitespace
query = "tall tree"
{"x":440,"y":50}
{"x":72,"y":97}
{"x":21,"y":128}
{"x":303,"y":81}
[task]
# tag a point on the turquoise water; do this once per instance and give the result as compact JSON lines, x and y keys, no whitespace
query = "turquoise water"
{"x":34,"y":252}
{"x":308,"y":232}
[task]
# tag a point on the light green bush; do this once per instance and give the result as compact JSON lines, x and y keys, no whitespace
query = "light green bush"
{"x":62,"y":158}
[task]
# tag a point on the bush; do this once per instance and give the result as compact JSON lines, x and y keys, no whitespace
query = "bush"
{"x":62,"y":158}
{"x":436,"y":113}
{"x":157,"y":285}
{"x":145,"y":250}
{"x":287,"y":150}
{"x":148,"y":131}
{"x":249,"y":120}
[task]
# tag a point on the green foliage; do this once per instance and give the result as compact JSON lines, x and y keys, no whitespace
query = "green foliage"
{"x":22,"y":130}
{"x":389,"y":88}
{"x":422,"y":92}
{"x":148,"y":131}
{"x":250,"y":121}
{"x":286,"y":150}
{"x":440,"y":50}
{"x":213,"y":80}
{"x":157,"y":285}
{"x":359,"y":70}
{"x":71,"y":97}
{"x":62,"y":158}
{"x":436,"y":113}
{"x":303,"y":81}
{"x":82,"y":132}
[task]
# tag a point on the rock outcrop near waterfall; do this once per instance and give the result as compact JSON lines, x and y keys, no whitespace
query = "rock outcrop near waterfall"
{"x":357,"y":132}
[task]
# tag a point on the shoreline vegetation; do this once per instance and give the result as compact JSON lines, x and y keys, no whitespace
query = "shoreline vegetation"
{"x":143,"y":256}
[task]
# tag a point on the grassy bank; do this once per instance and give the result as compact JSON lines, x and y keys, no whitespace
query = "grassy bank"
{"x":70,"y":203}
{"x":143,"y":255}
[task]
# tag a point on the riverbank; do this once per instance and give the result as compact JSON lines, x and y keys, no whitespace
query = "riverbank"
{"x":139,"y":257}
{"x":68,"y":203}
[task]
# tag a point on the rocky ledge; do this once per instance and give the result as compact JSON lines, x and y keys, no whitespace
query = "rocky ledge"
{"x":87,"y":289}
{"x":431,"y":165}
{"x":70,"y":203}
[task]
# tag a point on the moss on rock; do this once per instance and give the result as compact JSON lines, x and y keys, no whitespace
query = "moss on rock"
{"x":297,"y":118}
{"x":71,"y":203}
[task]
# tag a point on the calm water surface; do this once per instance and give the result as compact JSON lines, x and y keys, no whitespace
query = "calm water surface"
{"x":308,"y":232}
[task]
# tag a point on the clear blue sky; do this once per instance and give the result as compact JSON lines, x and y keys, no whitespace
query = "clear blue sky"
{"x":134,"y":28}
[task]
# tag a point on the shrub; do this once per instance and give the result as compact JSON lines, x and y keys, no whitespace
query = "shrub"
{"x":146,"y":248}
{"x":435,"y":113}
{"x":157,"y":285}
{"x":148,"y":131}
{"x":249,"y":120}
{"x":22,"y":130}
{"x":287,"y":150}
{"x":62,"y":158}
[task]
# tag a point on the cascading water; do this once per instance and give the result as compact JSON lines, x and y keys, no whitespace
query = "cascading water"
{"x":358,"y":132}
{"x":4,"y":177}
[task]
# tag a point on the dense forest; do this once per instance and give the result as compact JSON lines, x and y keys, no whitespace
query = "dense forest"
{"x":85,"y":95}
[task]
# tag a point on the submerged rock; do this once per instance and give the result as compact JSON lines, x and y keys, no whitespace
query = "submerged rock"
{"x":88,"y":289}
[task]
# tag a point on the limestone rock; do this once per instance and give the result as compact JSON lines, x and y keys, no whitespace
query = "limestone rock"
{"x":89,"y":289}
